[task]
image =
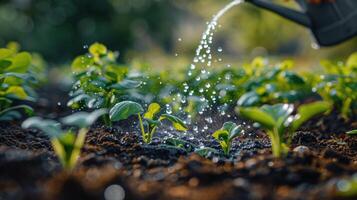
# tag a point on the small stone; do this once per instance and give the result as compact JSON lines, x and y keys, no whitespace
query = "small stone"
{"x":241,"y":183}
{"x":301,"y":150}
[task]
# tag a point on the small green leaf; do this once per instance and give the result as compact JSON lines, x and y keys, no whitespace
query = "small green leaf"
{"x":16,"y":91}
{"x":249,"y":99}
{"x":257,"y":115}
{"x":49,"y":127}
{"x":81,"y":63}
{"x":20,"y":62}
{"x":221,"y":135}
{"x":126,"y":84}
{"x":83,"y":119}
{"x":153,"y":109}
{"x":352,"y":60}
{"x":206,"y":151}
{"x":124,"y":109}
{"x":353,"y":132}
{"x":237,"y":130}
{"x":306,"y":112}
{"x":5,"y":53}
{"x":10,"y":113}
{"x":97,"y":49}
{"x":177,"y":123}
{"x":4,"y":64}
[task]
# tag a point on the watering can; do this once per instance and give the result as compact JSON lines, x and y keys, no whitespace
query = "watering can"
{"x":331,"y":22}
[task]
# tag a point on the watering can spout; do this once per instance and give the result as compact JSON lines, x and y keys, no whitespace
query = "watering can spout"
{"x":296,"y":16}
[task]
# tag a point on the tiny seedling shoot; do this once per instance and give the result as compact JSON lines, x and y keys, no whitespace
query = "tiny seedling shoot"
{"x":279,"y":122}
{"x":149,"y":121}
{"x":226,"y":134}
{"x":66,"y":144}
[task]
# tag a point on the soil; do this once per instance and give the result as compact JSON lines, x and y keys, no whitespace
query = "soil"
{"x":115,"y":163}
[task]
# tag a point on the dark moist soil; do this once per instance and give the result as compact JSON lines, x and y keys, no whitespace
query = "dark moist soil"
{"x":114,"y":161}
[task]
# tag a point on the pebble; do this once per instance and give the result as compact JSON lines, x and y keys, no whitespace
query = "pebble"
{"x":301,"y":150}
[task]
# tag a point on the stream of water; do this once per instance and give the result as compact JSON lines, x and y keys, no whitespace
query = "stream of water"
{"x":202,"y":62}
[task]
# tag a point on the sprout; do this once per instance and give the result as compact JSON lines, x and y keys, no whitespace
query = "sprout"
{"x":226,"y":134}
{"x":149,"y":121}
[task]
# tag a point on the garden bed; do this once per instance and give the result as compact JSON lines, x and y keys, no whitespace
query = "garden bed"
{"x":114,"y":160}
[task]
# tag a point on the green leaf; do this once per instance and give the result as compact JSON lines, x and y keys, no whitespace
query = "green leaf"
{"x":293,"y":78}
{"x":353,"y":132}
{"x":259,"y":116}
{"x":16,"y":91}
{"x":153,"y":109}
{"x":279,"y":112}
{"x":81,"y":63}
{"x":97,"y":49}
{"x":10,"y":113}
{"x":352,"y":60}
{"x":249,"y":99}
{"x":5,"y":53}
{"x":124,"y":109}
{"x":126,"y":84}
{"x":4,"y":64}
{"x":20,"y":62}
{"x":177,"y":123}
{"x":305,"y":112}
{"x":206,"y":151}
{"x":49,"y":127}
{"x":221,"y":135}
{"x":237,"y":130}
{"x":187,"y":146}
{"x":83,"y":119}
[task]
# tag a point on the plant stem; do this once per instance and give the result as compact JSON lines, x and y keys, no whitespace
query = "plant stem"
{"x":143,"y":134}
{"x":107,"y":120}
{"x":276,"y":145}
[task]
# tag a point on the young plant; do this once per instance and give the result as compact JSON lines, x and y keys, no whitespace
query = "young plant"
{"x":149,"y":121}
{"x":279,"y":122}
{"x":66,"y":144}
{"x":339,"y":84}
{"x":99,"y":81}
{"x":226,"y":134}
{"x":17,"y":82}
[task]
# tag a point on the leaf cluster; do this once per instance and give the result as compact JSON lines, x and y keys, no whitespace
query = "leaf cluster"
{"x":100,"y":82}
{"x":19,"y":75}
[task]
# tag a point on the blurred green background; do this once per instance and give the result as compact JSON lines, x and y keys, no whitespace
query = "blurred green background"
{"x":159,"y":32}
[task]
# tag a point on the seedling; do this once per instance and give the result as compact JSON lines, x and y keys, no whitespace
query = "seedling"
{"x":278,"y":120}
{"x":149,"y":121}
{"x":226,"y":134}
{"x":66,"y":144}
{"x":99,"y":81}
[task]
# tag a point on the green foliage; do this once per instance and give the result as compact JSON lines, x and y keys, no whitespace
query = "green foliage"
{"x":339,"y":85}
{"x":18,"y":78}
{"x":99,"y":81}
{"x":278,"y":120}
{"x":353,"y":132}
{"x":124,"y":109}
{"x":66,"y":144}
{"x":149,"y":121}
{"x":226,"y":134}
{"x":262,"y":83}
